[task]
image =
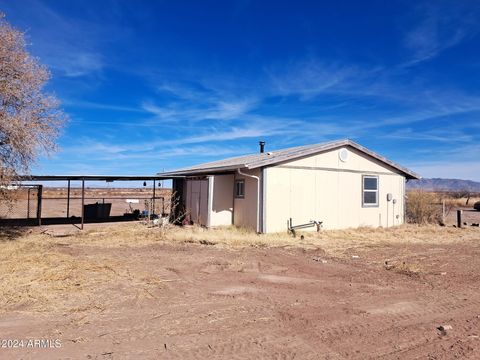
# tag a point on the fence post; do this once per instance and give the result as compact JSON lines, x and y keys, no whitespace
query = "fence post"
{"x":459,"y":218}
{"x":443,"y":211}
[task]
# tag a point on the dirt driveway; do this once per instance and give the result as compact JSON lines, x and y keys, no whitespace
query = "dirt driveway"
{"x":193,"y":301}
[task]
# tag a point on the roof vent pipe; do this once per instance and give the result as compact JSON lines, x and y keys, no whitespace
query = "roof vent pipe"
{"x":262,"y":146}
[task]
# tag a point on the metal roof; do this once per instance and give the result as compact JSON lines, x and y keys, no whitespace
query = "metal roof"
{"x":91,"y":177}
{"x":258,"y":160}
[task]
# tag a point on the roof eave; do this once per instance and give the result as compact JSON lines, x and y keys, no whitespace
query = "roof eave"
{"x":300,"y":154}
{"x":205,"y":171}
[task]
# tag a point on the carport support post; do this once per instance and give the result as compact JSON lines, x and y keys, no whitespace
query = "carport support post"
{"x":39,"y":204}
{"x":68,"y":199}
{"x":459,"y":218}
{"x":83,"y":202}
{"x":153,"y":199}
{"x":28,"y":203}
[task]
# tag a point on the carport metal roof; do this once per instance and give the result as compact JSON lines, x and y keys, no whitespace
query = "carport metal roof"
{"x":93,"y":177}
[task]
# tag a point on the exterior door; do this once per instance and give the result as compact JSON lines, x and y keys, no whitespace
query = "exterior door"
{"x":197,"y":201}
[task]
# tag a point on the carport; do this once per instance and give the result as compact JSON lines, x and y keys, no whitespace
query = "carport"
{"x":36,"y":181}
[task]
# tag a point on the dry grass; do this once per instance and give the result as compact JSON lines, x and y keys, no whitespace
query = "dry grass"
{"x":46,"y":273}
{"x":334,"y":241}
{"x":35,"y":273}
{"x":43,"y":272}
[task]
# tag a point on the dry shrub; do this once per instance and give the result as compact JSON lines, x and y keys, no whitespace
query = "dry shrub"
{"x":409,"y":269}
{"x":422,"y":208}
{"x":229,"y":236}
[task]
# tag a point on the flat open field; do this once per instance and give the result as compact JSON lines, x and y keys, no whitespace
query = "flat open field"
{"x":126,"y":291}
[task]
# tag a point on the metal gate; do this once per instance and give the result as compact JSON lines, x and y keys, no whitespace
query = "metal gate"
{"x":22,"y":205}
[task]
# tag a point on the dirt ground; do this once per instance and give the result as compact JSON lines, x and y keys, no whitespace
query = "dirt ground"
{"x":345,"y":295}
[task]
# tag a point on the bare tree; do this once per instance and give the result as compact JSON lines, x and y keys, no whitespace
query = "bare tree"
{"x":30,"y":119}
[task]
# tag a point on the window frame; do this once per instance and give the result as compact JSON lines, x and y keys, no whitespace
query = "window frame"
{"x":377,"y":191}
{"x":235,"y":192}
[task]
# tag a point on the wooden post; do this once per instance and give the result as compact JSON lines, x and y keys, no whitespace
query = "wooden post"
{"x":459,"y":218}
{"x":68,"y":199}
{"x":443,"y":211}
{"x":39,"y":204}
{"x":83,"y":202}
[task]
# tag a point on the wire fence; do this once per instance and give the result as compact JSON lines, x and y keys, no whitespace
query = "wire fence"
{"x":21,"y":204}
{"x":118,"y":206}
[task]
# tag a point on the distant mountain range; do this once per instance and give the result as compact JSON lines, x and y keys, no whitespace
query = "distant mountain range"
{"x":444,"y":185}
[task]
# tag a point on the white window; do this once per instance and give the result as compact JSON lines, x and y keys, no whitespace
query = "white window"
{"x":369,"y":191}
{"x":239,"y":189}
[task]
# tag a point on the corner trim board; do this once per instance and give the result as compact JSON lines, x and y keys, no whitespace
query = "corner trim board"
{"x":264,"y":200}
{"x":211,"y":180}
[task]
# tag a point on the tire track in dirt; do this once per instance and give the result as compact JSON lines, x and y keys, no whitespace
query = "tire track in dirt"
{"x":381,"y":325}
{"x":264,"y":344}
{"x":375,"y":326}
{"x":275,"y":304}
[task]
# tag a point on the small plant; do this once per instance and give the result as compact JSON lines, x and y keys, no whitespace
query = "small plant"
{"x":422,"y":208}
{"x":175,"y":214}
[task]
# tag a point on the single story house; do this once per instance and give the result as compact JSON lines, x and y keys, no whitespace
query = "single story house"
{"x":340,"y":183}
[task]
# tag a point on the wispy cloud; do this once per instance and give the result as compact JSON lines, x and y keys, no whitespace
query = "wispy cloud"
{"x":230,"y":135}
{"x":69,"y":46}
{"x":101,"y":106}
{"x":413,"y":116}
{"x":449,"y":136}
{"x":222,"y":110}
{"x":309,"y":78}
{"x":195,"y":102}
{"x":75,"y":63}
{"x":89,"y":155}
{"x":186,"y":91}
{"x":439,"y":28}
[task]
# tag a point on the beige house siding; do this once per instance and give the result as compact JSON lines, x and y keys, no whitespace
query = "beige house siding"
{"x":324,"y":188}
{"x":320,"y":187}
{"x":221,"y":200}
{"x":245,"y":210}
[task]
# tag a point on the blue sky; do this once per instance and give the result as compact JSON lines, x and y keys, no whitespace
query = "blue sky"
{"x":152,"y":85}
